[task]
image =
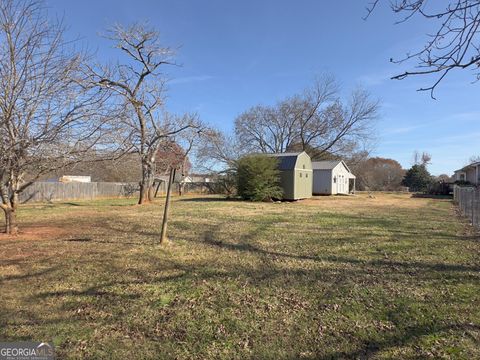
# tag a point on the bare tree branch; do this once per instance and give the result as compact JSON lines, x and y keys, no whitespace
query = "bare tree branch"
{"x":453,"y":45}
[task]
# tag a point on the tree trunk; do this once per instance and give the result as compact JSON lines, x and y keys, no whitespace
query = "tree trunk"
{"x":163,"y":234}
{"x":9,"y":207}
{"x":146,"y":184}
{"x":10,"y":221}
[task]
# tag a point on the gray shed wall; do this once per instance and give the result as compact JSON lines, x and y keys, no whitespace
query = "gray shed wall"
{"x":287,"y":184}
{"x":322,"y":182}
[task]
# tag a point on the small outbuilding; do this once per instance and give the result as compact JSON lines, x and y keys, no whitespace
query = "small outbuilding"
{"x":332,"y":177}
{"x":296,"y":175}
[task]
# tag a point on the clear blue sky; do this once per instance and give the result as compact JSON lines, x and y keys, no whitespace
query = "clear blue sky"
{"x":236,"y":54}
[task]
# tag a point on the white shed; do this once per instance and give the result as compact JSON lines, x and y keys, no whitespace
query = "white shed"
{"x":332,"y":177}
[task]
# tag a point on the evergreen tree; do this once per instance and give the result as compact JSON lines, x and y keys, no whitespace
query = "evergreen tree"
{"x":258,"y":178}
{"x":417,"y":178}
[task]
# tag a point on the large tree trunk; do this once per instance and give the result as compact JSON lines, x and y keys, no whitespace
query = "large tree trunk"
{"x":10,"y":219}
{"x":146,"y":184}
{"x":11,"y":222}
{"x":9,"y":206}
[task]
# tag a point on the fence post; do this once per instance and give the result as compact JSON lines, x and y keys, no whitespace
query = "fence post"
{"x":476,"y":220}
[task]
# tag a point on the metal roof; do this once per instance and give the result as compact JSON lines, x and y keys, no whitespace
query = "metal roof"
{"x":286,"y":161}
{"x":330,"y":165}
{"x":325,"y":165}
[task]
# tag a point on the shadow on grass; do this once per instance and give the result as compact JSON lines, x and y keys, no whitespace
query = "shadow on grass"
{"x":246,"y":243}
{"x":80,"y":239}
{"x":431,"y":196}
{"x":29,"y":275}
{"x":210,"y":199}
{"x":401,"y":338}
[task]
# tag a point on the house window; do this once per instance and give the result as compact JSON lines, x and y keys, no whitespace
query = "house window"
{"x":304,"y":166}
{"x":306,"y":175}
{"x":300,"y":174}
{"x":334,"y":179}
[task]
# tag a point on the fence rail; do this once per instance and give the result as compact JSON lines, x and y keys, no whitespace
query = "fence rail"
{"x":468,"y":200}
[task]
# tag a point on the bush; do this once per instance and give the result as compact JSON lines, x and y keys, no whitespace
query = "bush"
{"x":258,"y":178}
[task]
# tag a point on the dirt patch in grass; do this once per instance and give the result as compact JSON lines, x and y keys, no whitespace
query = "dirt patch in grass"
{"x":38,"y":232}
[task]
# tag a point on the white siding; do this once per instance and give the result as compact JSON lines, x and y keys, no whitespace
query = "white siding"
{"x":340,"y":179}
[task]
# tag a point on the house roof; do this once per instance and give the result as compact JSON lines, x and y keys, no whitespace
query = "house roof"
{"x":286,"y":161}
{"x":475,"y":164}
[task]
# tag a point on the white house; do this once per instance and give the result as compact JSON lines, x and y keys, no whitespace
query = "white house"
{"x":470,"y":173}
{"x":332,"y":177}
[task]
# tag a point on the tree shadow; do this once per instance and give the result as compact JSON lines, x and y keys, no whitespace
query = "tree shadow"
{"x":370,"y":348}
{"x":210,"y":199}
{"x":79,"y":239}
{"x":246,"y":243}
{"x":431,"y":196}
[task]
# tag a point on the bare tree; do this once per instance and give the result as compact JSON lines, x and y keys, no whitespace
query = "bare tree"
{"x":454,"y":44}
{"x":48,"y":118}
{"x":378,"y":174}
{"x":218,"y":152}
{"x":422,"y":159}
{"x":298,"y":119}
{"x":139,"y":86}
{"x":316,"y":119}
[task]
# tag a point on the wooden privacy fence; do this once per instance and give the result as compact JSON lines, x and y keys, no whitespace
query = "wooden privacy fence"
{"x":468,"y":200}
{"x":51,"y":191}
{"x":58,"y":191}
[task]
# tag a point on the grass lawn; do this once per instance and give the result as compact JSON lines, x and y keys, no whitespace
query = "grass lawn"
{"x":332,"y":277}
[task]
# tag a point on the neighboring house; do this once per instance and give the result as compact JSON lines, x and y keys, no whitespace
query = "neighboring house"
{"x":295,"y":175}
{"x":197,"y":179}
{"x":469,"y":173}
{"x":332,"y":177}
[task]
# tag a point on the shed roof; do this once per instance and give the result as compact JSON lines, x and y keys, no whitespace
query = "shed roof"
{"x":325,"y":165}
{"x":329,"y":165}
{"x":286,"y":161}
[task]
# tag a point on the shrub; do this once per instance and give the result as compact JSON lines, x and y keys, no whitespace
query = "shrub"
{"x":258,"y":178}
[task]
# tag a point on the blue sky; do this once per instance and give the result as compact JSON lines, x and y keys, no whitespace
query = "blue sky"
{"x":236,"y":54}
